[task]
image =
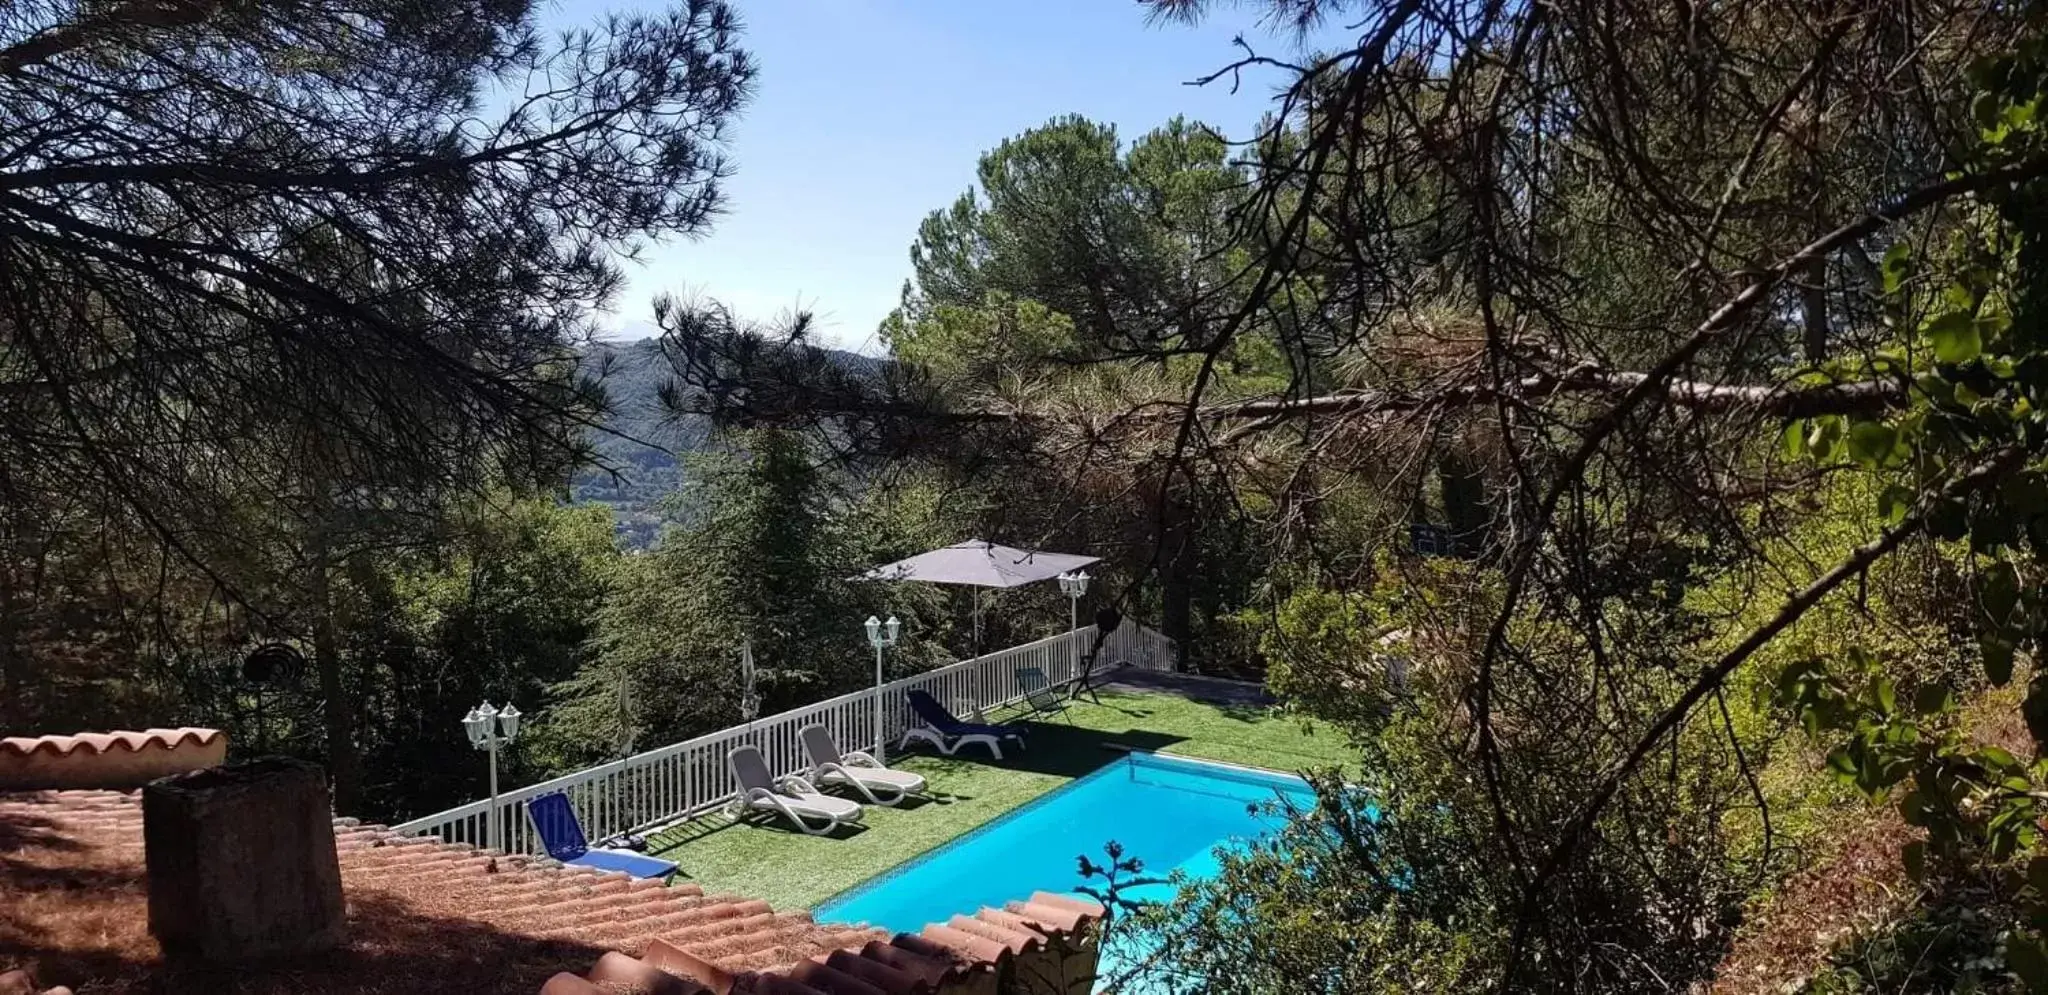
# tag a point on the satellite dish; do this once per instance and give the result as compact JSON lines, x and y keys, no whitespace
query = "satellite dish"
{"x":273,"y":663}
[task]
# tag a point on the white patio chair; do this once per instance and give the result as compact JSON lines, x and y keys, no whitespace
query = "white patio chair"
{"x":793,"y":797}
{"x":856,"y":770}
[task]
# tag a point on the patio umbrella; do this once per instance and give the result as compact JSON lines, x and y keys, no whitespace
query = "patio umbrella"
{"x":977,"y":563}
{"x":750,"y":700}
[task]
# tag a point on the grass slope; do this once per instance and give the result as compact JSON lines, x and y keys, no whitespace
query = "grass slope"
{"x":762,"y":859}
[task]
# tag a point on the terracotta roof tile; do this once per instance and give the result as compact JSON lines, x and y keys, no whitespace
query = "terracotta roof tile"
{"x":565,"y":983}
{"x":684,"y":964}
{"x":926,"y":968}
{"x":1035,"y":931}
{"x":735,"y":920}
{"x":101,"y":742}
{"x":1080,"y":907}
{"x":107,"y":759}
{"x":634,"y":935}
{"x":765,"y":952}
{"x":769,"y":984}
{"x":790,"y":949}
{"x":831,"y":980}
{"x":770,"y":935}
{"x":845,"y":938}
{"x":21,"y":983}
{"x":618,"y":971}
{"x":967,"y":947}
{"x":1016,"y":940}
{"x":883,"y":976}
{"x":662,"y":940}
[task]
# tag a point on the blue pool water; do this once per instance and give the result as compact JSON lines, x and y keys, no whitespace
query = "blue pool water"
{"x":1172,"y":814}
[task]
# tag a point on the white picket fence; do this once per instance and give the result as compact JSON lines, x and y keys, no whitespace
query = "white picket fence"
{"x":675,"y":782}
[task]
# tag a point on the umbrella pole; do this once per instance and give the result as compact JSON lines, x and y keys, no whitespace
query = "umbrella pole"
{"x":977,"y":621}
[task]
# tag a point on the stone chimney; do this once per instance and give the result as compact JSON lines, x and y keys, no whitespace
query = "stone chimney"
{"x":241,"y":862}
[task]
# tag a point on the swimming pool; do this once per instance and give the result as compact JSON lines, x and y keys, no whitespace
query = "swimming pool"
{"x":1168,"y":812}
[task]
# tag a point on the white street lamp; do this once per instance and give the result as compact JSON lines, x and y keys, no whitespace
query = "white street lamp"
{"x":488,"y":729}
{"x":1074,"y":585}
{"x":881,"y":635}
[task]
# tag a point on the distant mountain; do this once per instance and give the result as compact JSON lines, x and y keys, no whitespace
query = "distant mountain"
{"x":640,"y":449}
{"x":645,"y":438}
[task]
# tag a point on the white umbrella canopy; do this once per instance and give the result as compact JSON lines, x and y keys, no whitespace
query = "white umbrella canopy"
{"x":978,"y":563}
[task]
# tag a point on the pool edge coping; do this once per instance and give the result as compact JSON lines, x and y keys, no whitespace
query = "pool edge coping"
{"x":1249,"y":768}
{"x":1125,"y":753}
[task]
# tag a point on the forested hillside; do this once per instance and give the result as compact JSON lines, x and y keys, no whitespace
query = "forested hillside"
{"x":646,"y":433}
{"x":639,"y":442}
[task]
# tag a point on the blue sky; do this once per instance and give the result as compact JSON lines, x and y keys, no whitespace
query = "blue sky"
{"x":871,"y":113}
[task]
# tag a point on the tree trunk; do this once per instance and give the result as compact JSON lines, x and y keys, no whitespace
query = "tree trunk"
{"x":1813,"y":292}
{"x":1176,"y":577}
{"x":1813,"y":300}
{"x":1467,"y":516}
{"x":10,"y":618}
{"x":344,"y":767}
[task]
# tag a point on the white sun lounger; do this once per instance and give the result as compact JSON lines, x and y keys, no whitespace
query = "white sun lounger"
{"x":856,"y":770}
{"x":795,"y":798}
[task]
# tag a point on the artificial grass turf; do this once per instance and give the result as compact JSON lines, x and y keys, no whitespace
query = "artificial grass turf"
{"x":767,"y":859}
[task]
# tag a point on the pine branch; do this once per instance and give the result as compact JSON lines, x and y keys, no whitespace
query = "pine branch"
{"x":1783,"y":400}
{"x":100,"y":26}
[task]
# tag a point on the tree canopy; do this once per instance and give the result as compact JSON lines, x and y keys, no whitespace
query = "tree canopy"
{"x":286,"y":288}
{"x":1544,"y":287}
{"x":357,"y":242}
{"x":1621,"y":419}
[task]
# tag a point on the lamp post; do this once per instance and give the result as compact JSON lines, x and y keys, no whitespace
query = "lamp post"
{"x":488,"y":728}
{"x":881,"y":635}
{"x":1074,"y":585}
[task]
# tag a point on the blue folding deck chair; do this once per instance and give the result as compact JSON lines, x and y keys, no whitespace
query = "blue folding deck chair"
{"x":562,"y":834}
{"x":942,"y":730}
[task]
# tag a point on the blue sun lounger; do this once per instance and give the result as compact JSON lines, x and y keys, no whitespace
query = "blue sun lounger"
{"x":949,"y":734}
{"x":562,"y":834}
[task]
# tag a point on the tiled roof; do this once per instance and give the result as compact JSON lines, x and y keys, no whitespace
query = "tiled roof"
{"x":101,"y":742}
{"x":723,"y":943}
{"x":107,"y":759}
{"x":22,"y":983}
{"x":941,"y":957}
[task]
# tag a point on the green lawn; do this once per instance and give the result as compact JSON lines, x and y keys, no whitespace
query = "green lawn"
{"x":765,"y":859}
